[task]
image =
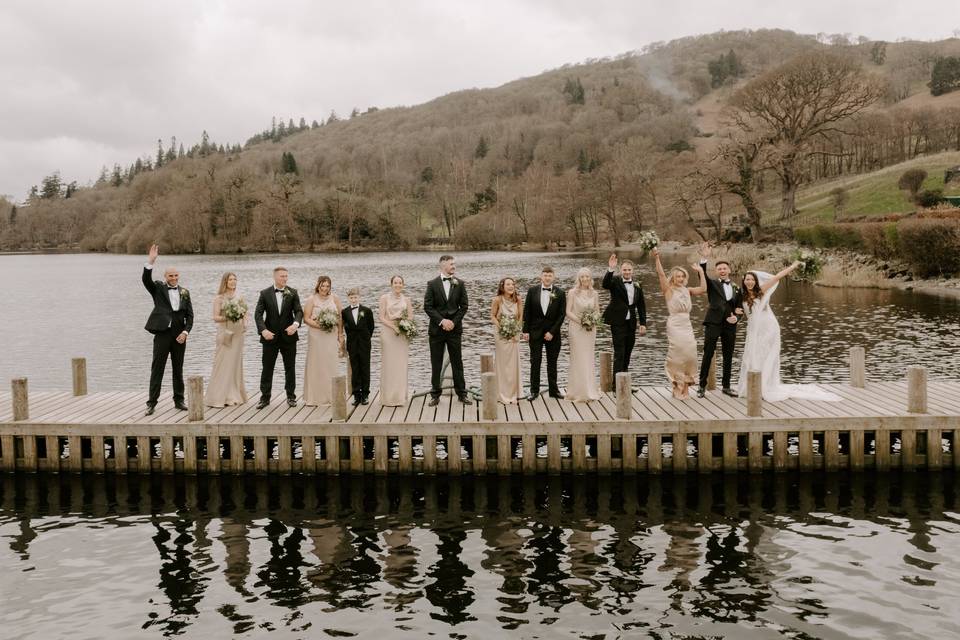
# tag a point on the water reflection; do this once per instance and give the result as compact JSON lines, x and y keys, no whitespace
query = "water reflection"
{"x":722,"y":556}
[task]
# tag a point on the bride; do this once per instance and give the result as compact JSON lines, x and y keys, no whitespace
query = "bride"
{"x":761,"y":351}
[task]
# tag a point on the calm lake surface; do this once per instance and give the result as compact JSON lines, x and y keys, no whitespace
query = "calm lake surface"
{"x":60,"y":306}
{"x":846,"y":556}
{"x":700,"y":557}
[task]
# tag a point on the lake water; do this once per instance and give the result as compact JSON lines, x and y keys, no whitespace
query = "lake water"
{"x":699,"y":557}
{"x":61,"y":306}
{"x":845,"y":556}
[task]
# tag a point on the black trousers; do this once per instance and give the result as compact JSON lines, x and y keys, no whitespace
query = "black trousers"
{"x":165,"y":345}
{"x":288,"y":350}
{"x":536,"y":356}
{"x":624,"y":337}
{"x":451,"y":341}
{"x":360,"y":370}
{"x":727,"y":334}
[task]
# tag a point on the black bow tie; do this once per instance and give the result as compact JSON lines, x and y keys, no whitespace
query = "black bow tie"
{"x":628,"y":282}
{"x":546,"y":288}
{"x":725,"y":281}
{"x":355,"y":308}
{"x":278,"y":290}
{"x":172,"y":288}
{"x":446,"y":279}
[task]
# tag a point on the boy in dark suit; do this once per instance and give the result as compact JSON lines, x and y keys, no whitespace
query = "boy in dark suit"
{"x":170,"y":323}
{"x":358,"y":324}
{"x":626,"y":314}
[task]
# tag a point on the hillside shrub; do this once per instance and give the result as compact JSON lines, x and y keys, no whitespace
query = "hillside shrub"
{"x":931,"y":246}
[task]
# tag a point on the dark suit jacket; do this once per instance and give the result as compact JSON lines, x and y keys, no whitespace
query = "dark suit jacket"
{"x":163,"y":316}
{"x":720,"y":308}
{"x":535,"y":322}
{"x":616,"y":311}
{"x":438,"y":307}
{"x":358,"y":333}
{"x":269,"y":317}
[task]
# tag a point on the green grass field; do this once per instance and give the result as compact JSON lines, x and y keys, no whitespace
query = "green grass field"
{"x":871,"y":194}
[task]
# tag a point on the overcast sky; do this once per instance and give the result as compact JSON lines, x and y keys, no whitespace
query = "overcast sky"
{"x":87,"y":84}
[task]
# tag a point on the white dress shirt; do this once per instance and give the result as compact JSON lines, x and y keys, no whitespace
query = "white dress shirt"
{"x":446,"y":285}
{"x":545,"y":299}
{"x":727,"y":289}
{"x":355,"y":310}
{"x":172,"y":292}
{"x":279,"y":297}
{"x":630,"y":291}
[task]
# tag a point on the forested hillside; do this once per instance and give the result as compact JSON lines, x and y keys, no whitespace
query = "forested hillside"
{"x":691,"y":137}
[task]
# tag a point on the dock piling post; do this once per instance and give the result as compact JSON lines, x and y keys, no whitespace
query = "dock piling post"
{"x":18,"y":396}
{"x":486,"y":363}
{"x":195,"y":398}
{"x":79,"y":366}
{"x":624,"y":396}
{"x":339,"y":403}
{"x":606,"y":371}
{"x":490,"y":392}
{"x":754,"y":395}
{"x":916,"y":390}
{"x":858,"y":371}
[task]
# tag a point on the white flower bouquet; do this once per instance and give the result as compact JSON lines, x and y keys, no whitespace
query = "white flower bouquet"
{"x":648,"y":241}
{"x":590,"y":319}
{"x":327,"y":319}
{"x":407,"y":327}
{"x":509,"y":327}
{"x":235,"y":309}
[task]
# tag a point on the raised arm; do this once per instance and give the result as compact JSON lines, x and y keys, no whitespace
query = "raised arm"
{"x":664,"y":283}
{"x":702,"y":287}
{"x":607,"y":281}
{"x":147,"y":276}
{"x":779,"y":276}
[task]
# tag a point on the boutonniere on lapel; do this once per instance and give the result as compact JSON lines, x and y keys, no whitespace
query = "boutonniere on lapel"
{"x":553,"y":295}
{"x":184,"y":294}
{"x":287,"y":293}
{"x":360,"y":313}
{"x":454,"y":282}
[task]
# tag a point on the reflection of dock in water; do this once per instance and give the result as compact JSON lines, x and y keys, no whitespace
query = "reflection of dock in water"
{"x":875,"y":425}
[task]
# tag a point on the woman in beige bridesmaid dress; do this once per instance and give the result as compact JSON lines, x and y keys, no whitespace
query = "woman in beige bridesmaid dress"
{"x":507,"y":352}
{"x":323,"y":347}
{"x":226,"y":380}
{"x":681,"y":364}
{"x":394,"y":348}
{"x":582,"y":383}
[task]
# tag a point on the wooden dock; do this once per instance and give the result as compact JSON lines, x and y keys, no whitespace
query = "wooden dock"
{"x":877,"y":425}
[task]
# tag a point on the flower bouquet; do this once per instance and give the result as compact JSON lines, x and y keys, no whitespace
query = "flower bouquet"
{"x":509,"y":327}
{"x":327,"y":319}
{"x":590,"y":319}
{"x":407,"y":328}
{"x":648,"y":241}
{"x":235,"y":309}
{"x":810,"y":265}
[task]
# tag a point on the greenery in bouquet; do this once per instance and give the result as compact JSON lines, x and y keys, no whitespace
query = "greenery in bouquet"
{"x":648,"y":241}
{"x":509,"y":327}
{"x":811,"y":264}
{"x":235,"y":310}
{"x":407,"y":327}
{"x":590,"y":319}
{"x":327,"y":319}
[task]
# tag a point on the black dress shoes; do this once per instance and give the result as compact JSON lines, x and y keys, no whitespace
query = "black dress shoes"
{"x":262,"y":404}
{"x":465,"y":399}
{"x":557,"y":395}
{"x":702,"y":391}
{"x":356,"y":400}
{"x":366,"y":400}
{"x":434,"y":401}
{"x":292,"y":402}
{"x":150,"y":410}
{"x":533,"y":396}
{"x":727,"y":391}
{"x":180,"y":406}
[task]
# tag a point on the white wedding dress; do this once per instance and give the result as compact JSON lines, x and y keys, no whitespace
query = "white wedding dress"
{"x":761,"y":352}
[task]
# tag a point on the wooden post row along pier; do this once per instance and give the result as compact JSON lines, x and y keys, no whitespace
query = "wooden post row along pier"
{"x":904,"y":425}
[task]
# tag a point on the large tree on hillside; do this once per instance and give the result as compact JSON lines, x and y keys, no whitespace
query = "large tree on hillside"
{"x":798,"y":106}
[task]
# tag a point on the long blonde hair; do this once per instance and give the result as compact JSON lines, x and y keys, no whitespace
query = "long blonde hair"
{"x":585,"y":271}
{"x":223,"y":282}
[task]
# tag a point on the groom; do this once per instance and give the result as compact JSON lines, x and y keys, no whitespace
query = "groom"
{"x":170,"y":323}
{"x":543,"y":314}
{"x":278,"y":318}
{"x":445,"y":302}
{"x":626,"y":314}
{"x":720,"y":322}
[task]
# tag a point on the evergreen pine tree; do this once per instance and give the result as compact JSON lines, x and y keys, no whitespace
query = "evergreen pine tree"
{"x":160,"y":154}
{"x":288,"y":163}
{"x":13,"y":215}
{"x":116,"y":178}
{"x":303,"y":123}
{"x":314,"y":125}
{"x":482,"y":148}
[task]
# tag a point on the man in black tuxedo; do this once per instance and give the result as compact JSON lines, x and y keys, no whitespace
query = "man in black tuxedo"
{"x":627,"y":312}
{"x":278,"y":317}
{"x":543,"y":313}
{"x":358,"y":324}
{"x":170,"y":323}
{"x":445,"y":302}
{"x":720,"y":322}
